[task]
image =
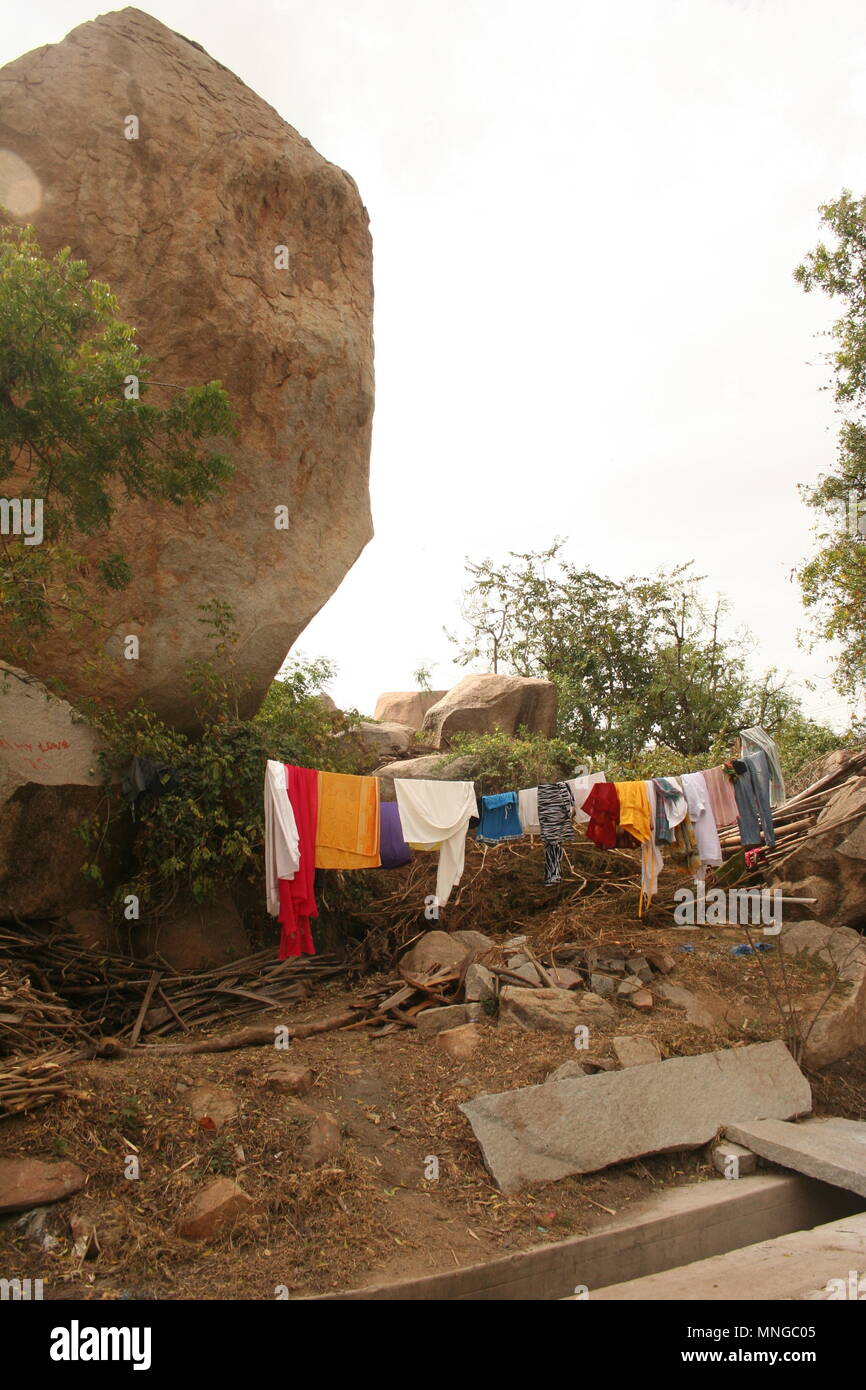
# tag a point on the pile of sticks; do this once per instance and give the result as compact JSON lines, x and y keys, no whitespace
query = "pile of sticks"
{"x":108,"y":993}
{"x":29,"y":1082}
{"x":32,"y":1019}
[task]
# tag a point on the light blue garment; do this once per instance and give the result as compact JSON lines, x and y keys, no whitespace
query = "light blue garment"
{"x":758,"y":741}
{"x":752,"y":791}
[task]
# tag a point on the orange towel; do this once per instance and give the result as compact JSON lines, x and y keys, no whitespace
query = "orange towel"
{"x":347,"y":832}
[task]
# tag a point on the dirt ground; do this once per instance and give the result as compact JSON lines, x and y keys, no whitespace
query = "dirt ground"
{"x":370,"y":1214}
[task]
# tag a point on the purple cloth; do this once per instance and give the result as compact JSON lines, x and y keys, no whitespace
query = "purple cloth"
{"x":393,"y":850}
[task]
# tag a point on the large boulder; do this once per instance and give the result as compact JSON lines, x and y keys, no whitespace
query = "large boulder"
{"x":183,"y":222}
{"x":406,"y":706}
{"x":830,"y":863}
{"x":433,"y":767}
{"x":50,"y":783}
{"x":480,"y":704}
{"x":832,"y":1022}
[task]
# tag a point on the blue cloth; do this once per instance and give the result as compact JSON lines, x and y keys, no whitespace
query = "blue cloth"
{"x":752,"y":792}
{"x":500,"y":818}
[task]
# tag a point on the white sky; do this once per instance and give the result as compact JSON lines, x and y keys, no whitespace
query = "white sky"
{"x":585,"y":219}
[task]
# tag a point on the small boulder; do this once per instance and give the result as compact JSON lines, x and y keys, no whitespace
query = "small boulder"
{"x":212,"y":1106}
{"x":636,"y":1051}
{"x":459,"y":1043}
{"x":433,"y":1021}
{"x":602,"y":985}
{"x":552,"y":1010}
{"x":479,"y":984}
{"x":436,"y":948}
{"x":641,"y":999}
{"x":31,"y":1182}
{"x":217,"y":1205}
{"x":291,"y":1081}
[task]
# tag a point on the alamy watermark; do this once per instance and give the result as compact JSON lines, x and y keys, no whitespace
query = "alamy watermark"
{"x":22,"y":516}
{"x":699,"y":907}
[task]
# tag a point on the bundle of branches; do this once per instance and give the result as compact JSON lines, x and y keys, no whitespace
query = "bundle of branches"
{"x":113,"y":994}
{"x":33,"y":1019}
{"x":30,"y":1082}
{"x":795,"y":820}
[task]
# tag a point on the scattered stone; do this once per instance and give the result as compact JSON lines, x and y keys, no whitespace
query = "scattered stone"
{"x":323,"y":1141}
{"x":602,"y":985}
{"x":31,"y":1182}
{"x":293,"y":1081}
{"x":821,"y":1149}
{"x":636,"y":1051}
{"x":614,"y":963}
{"x":627,"y":987}
{"x":459,"y":1043}
{"x":568,"y":1069}
{"x":552,"y":1010}
{"x":641,"y":999}
{"x":733,"y":1161}
{"x":474,"y":1012}
{"x":660,"y":961}
{"x":474,"y":941}
{"x":540,"y":1133}
{"x":592,"y":1064}
{"x":436,"y":948}
{"x":565,"y":979}
{"x":217,"y":1205}
{"x":696,"y":1009}
{"x":638,"y":965}
{"x":212,"y":1103}
{"x":433,"y":1021}
{"x":479,"y":984}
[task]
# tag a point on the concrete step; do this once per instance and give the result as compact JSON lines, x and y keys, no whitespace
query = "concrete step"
{"x":797,"y":1266}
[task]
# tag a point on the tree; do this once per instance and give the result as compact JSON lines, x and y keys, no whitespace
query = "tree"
{"x":77,"y":433}
{"x":833,"y":581}
{"x":638,"y":662}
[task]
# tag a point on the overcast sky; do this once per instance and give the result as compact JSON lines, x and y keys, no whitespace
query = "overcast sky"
{"x":585,"y":219}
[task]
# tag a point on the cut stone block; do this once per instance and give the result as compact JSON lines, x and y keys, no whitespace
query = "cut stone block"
{"x":733,"y":1161}
{"x":540,"y":1133}
{"x":459,"y":1043}
{"x":433,"y":1021}
{"x":552,"y":1010}
{"x":821,"y":1149}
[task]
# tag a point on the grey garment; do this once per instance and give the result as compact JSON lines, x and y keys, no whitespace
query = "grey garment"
{"x":757,"y":741}
{"x":752,"y":791}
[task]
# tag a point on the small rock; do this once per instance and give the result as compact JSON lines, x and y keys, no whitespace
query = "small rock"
{"x":614,"y":963}
{"x":625,"y":988}
{"x":293,"y":1081}
{"x":323,"y":1141}
{"x":641,"y":999}
{"x":213,"y":1103}
{"x":564,"y":978}
{"x":660,"y":961}
{"x":435,"y":948}
{"x":479,"y":984}
{"x":636,"y":964}
{"x":433,"y":1021}
{"x":567,"y":1069}
{"x":733,"y":1161}
{"x":474,"y":941}
{"x":31,"y":1182}
{"x":602,"y":985}
{"x":552,"y":1010}
{"x":217,"y":1205}
{"x":636,"y":1051}
{"x":461,"y":1042}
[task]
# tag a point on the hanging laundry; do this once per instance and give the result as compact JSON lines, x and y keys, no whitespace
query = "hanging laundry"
{"x":347,"y":828}
{"x":144,"y":775}
{"x":555,"y":808}
{"x":602,"y":807}
{"x":527,"y":809}
{"x":687,"y":848}
{"x":393,"y":850}
{"x":282,"y":857}
{"x":500,"y":819}
{"x":757,"y":740}
{"x":720,"y":789}
{"x":437,"y":813}
{"x":752,"y":791}
{"x":634,"y":814}
{"x":671,"y":808}
{"x":297,"y":897}
{"x":579,"y":788}
{"x":651,"y":856}
{"x":702,"y":818}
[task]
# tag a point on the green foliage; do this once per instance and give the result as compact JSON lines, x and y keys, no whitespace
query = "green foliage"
{"x":504,"y":763}
{"x":834,"y":579}
{"x":73,"y":434}
{"x":637,"y":662}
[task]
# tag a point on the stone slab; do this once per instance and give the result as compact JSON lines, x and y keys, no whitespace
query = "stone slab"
{"x":541,"y":1133}
{"x":831,"y":1152}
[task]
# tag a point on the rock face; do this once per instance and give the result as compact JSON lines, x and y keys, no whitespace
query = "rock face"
{"x":383,"y":740}
{"x":480,"y":704}
{"x":540,"y":1133}
{"x":830,"y":865}
{"x":406,"y":706}
{"x":183,"y":223}
{"x":831,"y":1027}
{"x":50,"y":783}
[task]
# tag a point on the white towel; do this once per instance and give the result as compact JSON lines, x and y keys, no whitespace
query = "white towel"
{"x":527,"y":809}
{"x":437,"y":813}
{"x":701,"y":812}
{"x":282,"y":850}
{"x":580,"y":791}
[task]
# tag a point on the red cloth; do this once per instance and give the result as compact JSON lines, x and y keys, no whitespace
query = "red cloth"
{"x":297,"y":899}
{"x":602,"y":807}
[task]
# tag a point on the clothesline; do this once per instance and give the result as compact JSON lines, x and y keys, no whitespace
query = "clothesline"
{"x":334,"y":820}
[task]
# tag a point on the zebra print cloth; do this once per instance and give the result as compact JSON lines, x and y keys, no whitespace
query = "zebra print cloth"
{"x":555,"y":810}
